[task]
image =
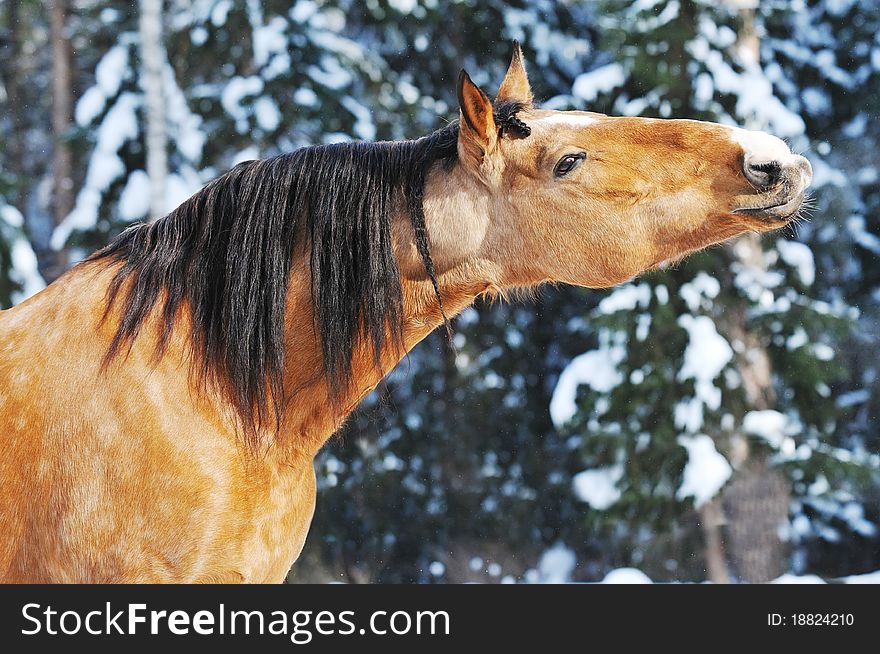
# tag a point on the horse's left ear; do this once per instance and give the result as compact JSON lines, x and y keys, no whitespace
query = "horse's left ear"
{"x":477,"y":133}
{"x":515,"y":87}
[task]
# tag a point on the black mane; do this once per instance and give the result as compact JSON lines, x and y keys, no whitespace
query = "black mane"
{"x":227,"y":251}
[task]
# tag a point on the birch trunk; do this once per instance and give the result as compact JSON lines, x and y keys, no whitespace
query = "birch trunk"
{"x":152,"y":61}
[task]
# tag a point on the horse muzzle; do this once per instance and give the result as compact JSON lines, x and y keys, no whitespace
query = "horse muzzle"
{"x":780,"y":183}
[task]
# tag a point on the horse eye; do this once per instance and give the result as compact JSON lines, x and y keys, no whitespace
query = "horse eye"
{"x":568,"y":163}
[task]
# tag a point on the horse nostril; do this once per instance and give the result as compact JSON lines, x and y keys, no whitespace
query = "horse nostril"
{"x":806,"y":170}
{"x":763,"y":174}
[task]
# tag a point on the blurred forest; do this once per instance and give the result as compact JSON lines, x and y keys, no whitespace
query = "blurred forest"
{"x":714,"y":420}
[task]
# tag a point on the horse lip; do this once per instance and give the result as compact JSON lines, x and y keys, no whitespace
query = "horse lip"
{"x":758,"y":210}
{"x":780,"y":209}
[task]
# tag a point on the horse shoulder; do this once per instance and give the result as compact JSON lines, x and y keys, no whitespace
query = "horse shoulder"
{"x":125,"y":473}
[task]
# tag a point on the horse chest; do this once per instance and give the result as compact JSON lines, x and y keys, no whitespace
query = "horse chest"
{"x":241,"y":523}
{"x":123,"y":510}
{"x":280,"y":510}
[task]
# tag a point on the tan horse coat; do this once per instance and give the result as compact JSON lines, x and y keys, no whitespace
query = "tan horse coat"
{"x":135,"y":473}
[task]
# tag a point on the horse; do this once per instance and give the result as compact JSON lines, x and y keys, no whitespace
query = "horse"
{"x":162,"y":402}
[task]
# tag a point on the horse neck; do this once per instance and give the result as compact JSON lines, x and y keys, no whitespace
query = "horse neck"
{"x":457,"y":218}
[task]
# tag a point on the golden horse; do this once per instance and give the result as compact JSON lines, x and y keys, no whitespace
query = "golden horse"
{"x":161,"y":404}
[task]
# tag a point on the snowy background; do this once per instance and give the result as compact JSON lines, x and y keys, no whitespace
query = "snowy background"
{"x":716,"y":421}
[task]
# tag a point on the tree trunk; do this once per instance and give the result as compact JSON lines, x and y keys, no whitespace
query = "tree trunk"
{"x":152,"y":61}
{"x":62,"y":104}
{"x":756,"y":502}
{"x":10,"y":56}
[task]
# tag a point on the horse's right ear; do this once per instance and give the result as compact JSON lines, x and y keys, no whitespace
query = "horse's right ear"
{"x":477,"y":133}
{"x":516,"y":87}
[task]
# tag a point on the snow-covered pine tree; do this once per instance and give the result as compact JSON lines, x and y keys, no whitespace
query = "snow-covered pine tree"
{"x":110,"y":114}
{"x":824,"y":58}
{"x":19,"y":275}
{"x":242,"y":80}
{"x":24,"y":143}
{"x":465,"y":435}
{"x":671,"y":391}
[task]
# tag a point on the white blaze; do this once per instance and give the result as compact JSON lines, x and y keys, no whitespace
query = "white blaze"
{"x":566,"y":118}
{"x":760,"y":147}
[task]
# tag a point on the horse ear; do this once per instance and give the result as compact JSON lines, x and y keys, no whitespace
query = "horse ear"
{"x":477,"y":131}
{"x":515,"y":87}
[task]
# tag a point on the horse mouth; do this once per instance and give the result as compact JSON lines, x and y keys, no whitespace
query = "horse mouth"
{"x":780,"y":209}
{"x":781,"y":199}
